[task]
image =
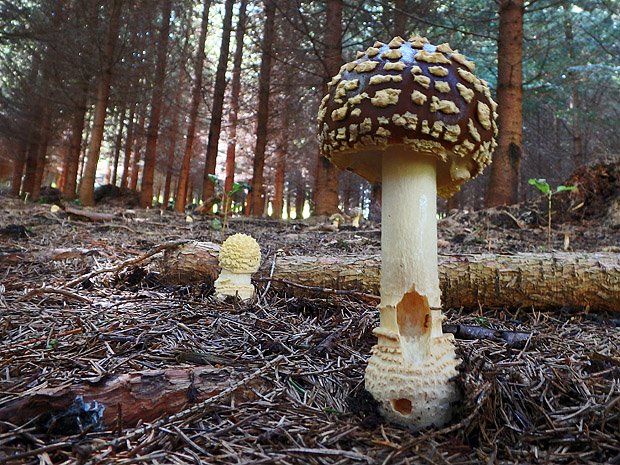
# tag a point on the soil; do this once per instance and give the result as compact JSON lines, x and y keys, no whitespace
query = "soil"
{"x":553,"y":400}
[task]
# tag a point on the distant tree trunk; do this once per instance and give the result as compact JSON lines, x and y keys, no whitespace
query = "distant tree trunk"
{"x":503,"y":188}
{"x":234,"y":101}
{"x":374,"y":213}
{"x":326,"y":181}
{"x":87,"y":183}
{"x":135,"y":160}
{"x":400,"y":19}
{"x":574,"y":90}
{"x":72,"y":160}
{"x":300,"y":197}
{"x":282,"y":152}
{"x":31,"y":160}
{"x":42,"y":155}
{"x":215,"y":127}
{"x":150,"y":153}
{"x":117,"y":146}
{"x":128,"y":146}
{"x":19,"y":162}
{"x":262,"y":120}
{"x":193,"y":114}
{"x":173,"y":131}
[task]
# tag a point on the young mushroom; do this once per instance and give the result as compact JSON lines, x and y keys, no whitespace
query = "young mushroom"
{"x":356,"y":214}
{"x":337,"y":219}
{"x":412,"y":116}
{"x":239,"y":258}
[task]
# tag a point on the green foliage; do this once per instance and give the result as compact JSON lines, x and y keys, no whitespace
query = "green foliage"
{"x":543,"y":186}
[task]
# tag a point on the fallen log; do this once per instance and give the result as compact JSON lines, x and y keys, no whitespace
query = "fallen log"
{"x":121,"y":400}
{"x":540,"y":280}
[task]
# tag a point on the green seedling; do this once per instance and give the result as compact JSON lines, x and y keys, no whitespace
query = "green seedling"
{"x":236,"y":187}
{"x":544,"y":187}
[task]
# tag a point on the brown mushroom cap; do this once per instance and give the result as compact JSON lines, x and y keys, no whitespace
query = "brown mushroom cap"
{"x":415,"y":94}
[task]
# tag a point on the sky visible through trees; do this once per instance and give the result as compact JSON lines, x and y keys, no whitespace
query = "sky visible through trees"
{"x":90,"y":95}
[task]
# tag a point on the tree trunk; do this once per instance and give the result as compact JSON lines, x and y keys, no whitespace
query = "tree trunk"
{"x":300,"y":197}
{"x":117,"y":146}
{"x":400,"y":19}
{"x":150,"y":153}
{"x":262,"y":119}
{"x":173,"y":131}
{"x":128,"y":146}
{"x":42,"y":155}
{"x":234,"y":101}
{"x":215,"y":127}
{"x":19,"y":162}
{"x":72,"y":162}
{"x":130,"y":398}
{"x":135,"y":160}
{"x":573,"y":79}
{"x":326,"y":180}
{"x":280,"y":175}
{"x":561,"y":279}
{"x":31,"y":160}
{"x":503,"y":187}
{"x":87,"y":183}
{"x":193,"y":113}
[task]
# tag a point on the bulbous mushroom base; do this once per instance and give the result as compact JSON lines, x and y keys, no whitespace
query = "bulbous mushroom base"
{"x":230,"y":284}
{"x":414,"y":394}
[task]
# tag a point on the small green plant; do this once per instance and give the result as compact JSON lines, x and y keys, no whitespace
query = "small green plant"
{"x":544,"y":187}
{"x":226,"y":201}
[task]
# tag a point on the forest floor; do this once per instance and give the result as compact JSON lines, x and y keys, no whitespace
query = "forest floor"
{"x":294,"y":365}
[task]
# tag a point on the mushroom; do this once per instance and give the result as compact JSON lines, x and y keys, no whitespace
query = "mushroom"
{"x":337,"y":219}
{"x":239,"y":258}
{"x":412,"y":116}
{"x":356,"y":215}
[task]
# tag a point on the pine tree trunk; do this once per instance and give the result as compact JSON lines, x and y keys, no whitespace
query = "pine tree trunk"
{"x":131,"y":123}
{"x":42,"y":155}
{"x":118,"y":145}
{"x":31,"y":161}
{"x":400,"y":19}
{"x":87,"y":183}
{"x":264,"y":81}
{"x":150,"y":153}
{"x":300,"y":197}
{"x":135,"y":160}
{"x":173,"y":131}
{"x":574,"y":106}
{"x":280,"y":175}
{"x":215,"y":127}
{"x":234,"y":101}
{"x":193,"y":113}
{"x":503,"y":187}
{"x":19,"y":162}
{"x":326,"y":180}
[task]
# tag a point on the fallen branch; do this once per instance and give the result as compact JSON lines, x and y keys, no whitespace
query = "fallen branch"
{"x":138,"y":397}
{"x":51,"y":290}
{"x":127,"y":263}
{"x":512,"y":338}
{"x":543,"y":281}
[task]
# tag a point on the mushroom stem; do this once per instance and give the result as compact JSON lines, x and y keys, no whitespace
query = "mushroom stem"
{"x":411,"y":346}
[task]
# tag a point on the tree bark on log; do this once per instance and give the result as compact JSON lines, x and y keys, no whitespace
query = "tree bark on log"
{"x":543,"y":281}
{"x":144,"y":395}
